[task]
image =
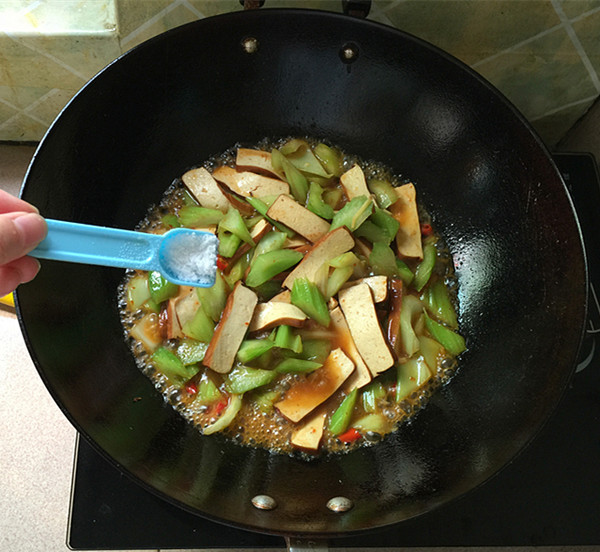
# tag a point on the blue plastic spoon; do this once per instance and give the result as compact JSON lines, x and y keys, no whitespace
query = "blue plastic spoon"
{"x":183,"y":256}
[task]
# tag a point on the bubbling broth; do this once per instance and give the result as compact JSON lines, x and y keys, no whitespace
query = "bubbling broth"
{"x":332,"y":319}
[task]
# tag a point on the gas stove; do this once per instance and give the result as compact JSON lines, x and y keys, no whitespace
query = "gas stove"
{"x":549,"y":495}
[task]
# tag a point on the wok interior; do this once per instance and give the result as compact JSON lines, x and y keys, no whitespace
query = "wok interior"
{"x":493,"y":194}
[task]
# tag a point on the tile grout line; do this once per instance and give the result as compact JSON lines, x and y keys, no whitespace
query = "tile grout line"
{"x":24,"y":111}
{"x":577,"y":43}
{"x":133,"y":34}
{"x":565,"y":106}
{"x":195,"y":11}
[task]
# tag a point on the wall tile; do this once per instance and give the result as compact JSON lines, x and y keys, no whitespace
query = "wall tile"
{"x":588,"y":32}
{"x":573,"y":8}
{"x":22,"y":128}
{"x":554,"y":126}
{"x":6,"y":112}
{"x":541,"y":75}
{"x":475,"y":30}
{"x":134,"y":13}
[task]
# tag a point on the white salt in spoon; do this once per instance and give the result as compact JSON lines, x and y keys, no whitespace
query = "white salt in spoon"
{"x":183,"y":256}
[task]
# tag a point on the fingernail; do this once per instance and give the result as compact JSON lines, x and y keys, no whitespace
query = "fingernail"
{"x":32,"y":227}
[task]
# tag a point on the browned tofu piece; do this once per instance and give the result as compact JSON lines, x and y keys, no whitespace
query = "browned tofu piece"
{"x":309,"y":434}
{"x":249,"y":184}
{"x":361,"y":374}
{"x":305,"y":395}
{"x":354,"y":183}
{"x":173,"y":326}
{"x":359,"y":310}
{"x":205,"y":189}
{"x":256,"y":160}
{"x":276,"y":313}
{"x":231,"y":329}
{"x":377,"y":284}
{"x":289,"y":212}
{"x":329,"y":246}
{"x":186,"y":307}
{"x":283,"y":297}
{"x":408,"y":238}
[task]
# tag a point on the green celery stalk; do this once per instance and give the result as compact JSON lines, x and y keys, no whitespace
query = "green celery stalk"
{"x":296,"y":180}
{"x":244,"y":378}
{"x":285,"y":339}
{"x":340,"y":419}
{"x":388,"y":224}
{"x":344,"y":260}
{"x":171,"y":365}
{"x":353,"y":214}
{"x":160,"y":288}
{"x":453,"y":342}
{"x":384,"y":192}
{"x":337,"y":279}
{"x":291,"y":146}
{"x":208,"y":392}
{"x":234,"y":223}
{"x":431,"y":351}
{"x":262,"y":208}
{"x":188,"y":198}
{"x":238,"y":270}
{"x":316,"y":204}
{"x":411,"y":307}
{"x":270,"y":242}
{"x":213,"y":299}
{"x":315,"y":349}
{"x":191,"y":351}
{"x":405,"y":273}
{"x":411,"y":375}
{"x":192,"y":215}
{"x":253,"y":348}
{"x":425,"y":267}
{"x":227,"y":416}
{"x":268,"y":265}
{"x":370,"y":395}
{"x":296,"y":366}
{"x":137,"y":292}
{"x":330,"y":159}
{"x":437,"y":302}
{"x":306,"y":162}
{"x":170,"y":221}
{"x":382,"y":260}
{"x":228,"y":243}
{"x":265,"y":399}
{"x":371,"y":422}
{"x":200,"y":327}
{"x":307,"y":297}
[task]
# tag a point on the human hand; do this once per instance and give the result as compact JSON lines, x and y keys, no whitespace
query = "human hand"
{"x":21,"y":230}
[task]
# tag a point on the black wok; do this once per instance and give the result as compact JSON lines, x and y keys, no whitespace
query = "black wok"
{"x":486,"y":178}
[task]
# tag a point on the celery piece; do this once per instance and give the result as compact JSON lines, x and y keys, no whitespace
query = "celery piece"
{"x":344,"y":260}
{"x":382,"y":260}
{"x":384,"y":192}
{"x":371,"y":232}
{"x":253,"y":348}
{"x":388,"y":224}
{"x":453,"y":342}
{"x":268,"y":290}
{"x":234,"y":223}
{"x":340,"y":419}
{"x":297,"y":366}
{"x":285,"y":339}
{"x":329,"y":158}
{"x":307,"y":297}
{"x":332,"y":197}
{"x":270,"y":242}
{"x":208,"y":392}
{"x":437,"y":302}
{"x":305,"y":161}
{"x":425,"y":267}
{"x":405,"y":273}
{"x":191,"y":351}
{"x":431,"y":351}
{"x":337,"y":279}
{"x":370,"y":395}
{"x":315,"y":349}
{"x":265,"y":399}
{"x":292,"y":146}
{"x":268,"y":265}
{"x":411,"y":375}
{"x":411,"y":307}
{"x":227,"y":416}
{"x":192,"y":215}
{"x":188,"y":198}
{"x":244,"y":378}
{"x":296,"y":180}
{"x":237,"y":271}
{"x":353,"y":214}
{"x":171,"y":365}
{"x":251,"y":222}
{"x":228,"y":243}
{"x":137,"y":292}
{"x":262,"y":208}
{"x":200,"y":327}
{"x":213,"y":299}
{"x":170,"y":221}
{"x":160,"y":288}
{"x":316,"y":204}
{"x":371,"y":422}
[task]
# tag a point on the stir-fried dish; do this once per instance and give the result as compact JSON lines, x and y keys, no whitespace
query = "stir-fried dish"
{"x":332,"y":317}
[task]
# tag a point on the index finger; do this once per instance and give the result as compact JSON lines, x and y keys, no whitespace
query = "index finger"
{"x":10,"y":203}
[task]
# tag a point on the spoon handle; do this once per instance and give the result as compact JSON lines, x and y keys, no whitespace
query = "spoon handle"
{"x":98,"y":245}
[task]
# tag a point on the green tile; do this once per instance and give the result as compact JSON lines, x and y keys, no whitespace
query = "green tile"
{"x":21,"y":96}
{"x":215,"y":7}
{"x":134,"y":13}
{"x":552,"y":128}
{"x":22,"y":128}
{"x":540,"y":76}
{"x":573,"y":8}
{"x":6,"y":112}
{"x":587,"y":30}
{"x":50,"y":105}
{"x":473,"y":30}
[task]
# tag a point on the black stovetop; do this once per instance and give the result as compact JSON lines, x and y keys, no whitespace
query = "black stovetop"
{"x":549,"y":495}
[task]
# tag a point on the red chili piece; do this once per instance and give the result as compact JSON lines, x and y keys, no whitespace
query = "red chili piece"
{"x":349,"y":436}
{"x":191,"y":388}
{"x":426,"y":230}
{"x":220,"y":406}
{"x":221,"y":263}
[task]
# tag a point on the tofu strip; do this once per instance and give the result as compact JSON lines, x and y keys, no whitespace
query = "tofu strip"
{"x":205,"y":189}
{"x":231,"y":329}
{"x":308,"y":436}
{"x":408,"y":238}
{"x":255,"y":160}
{"x":359,"y":310}
{"x":354,"y":183}
{"x":249,"y":184}
{"x":275,"y":313}
{"x":289,"y":212}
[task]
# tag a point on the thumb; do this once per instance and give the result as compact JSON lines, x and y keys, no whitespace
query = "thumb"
{"x":19,"y":234}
